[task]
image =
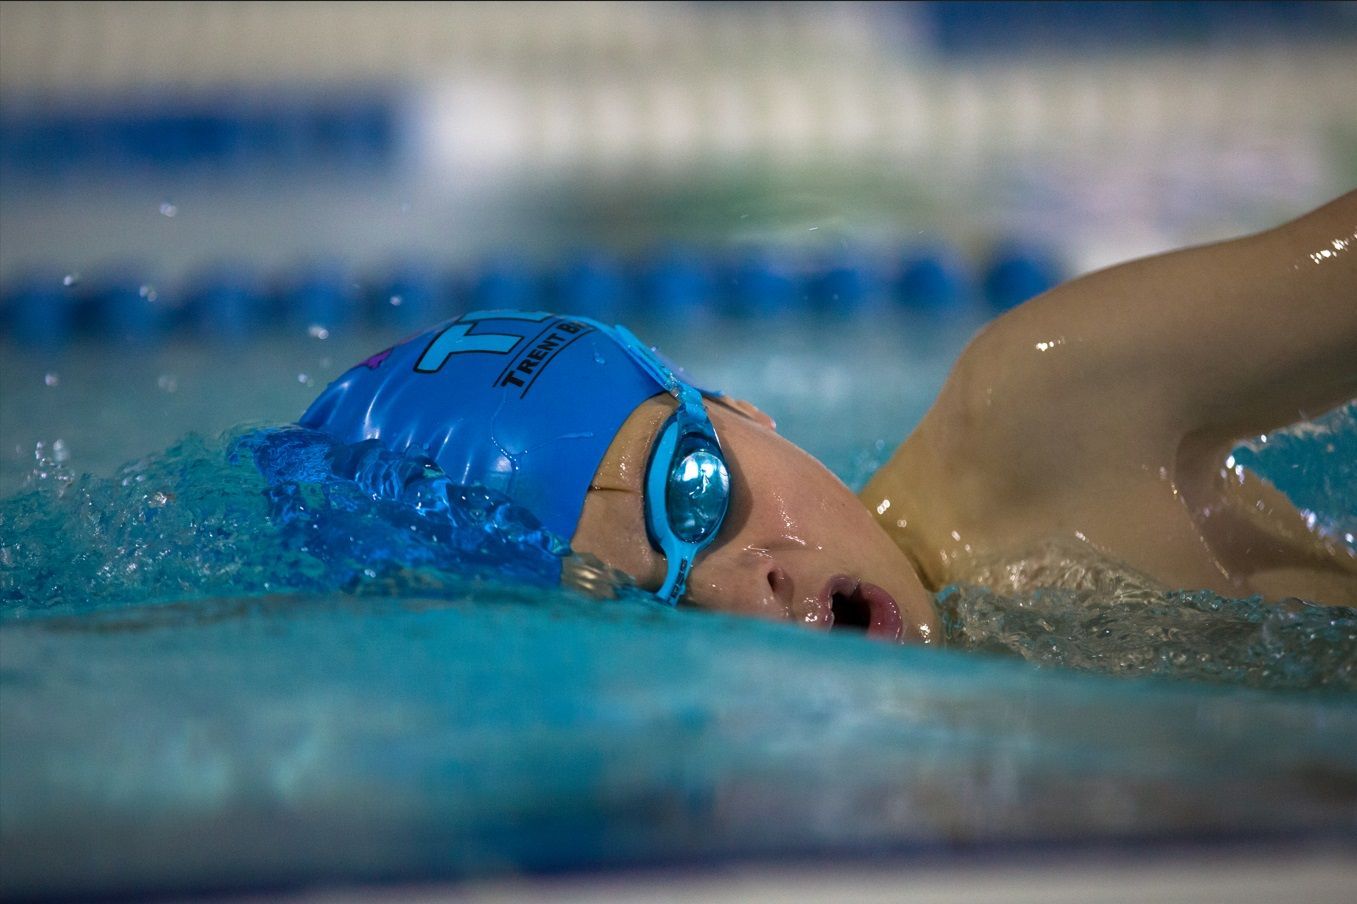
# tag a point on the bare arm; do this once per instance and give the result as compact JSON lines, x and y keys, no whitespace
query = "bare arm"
{"x":1102,"y":410}
{"x":1219,"y":341}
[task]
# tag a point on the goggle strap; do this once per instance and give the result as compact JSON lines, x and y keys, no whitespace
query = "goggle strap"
{"x":679,"y":557}
{"x":650,"y":361}
{"x":676,"y":580}
{"x":657,"y":475}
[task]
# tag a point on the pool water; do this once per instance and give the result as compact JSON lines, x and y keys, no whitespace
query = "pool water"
{"x":203,"y":687}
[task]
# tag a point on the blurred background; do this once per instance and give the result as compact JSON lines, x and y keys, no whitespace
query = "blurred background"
{"x":208,"y":210}
{"x":214,"y":169}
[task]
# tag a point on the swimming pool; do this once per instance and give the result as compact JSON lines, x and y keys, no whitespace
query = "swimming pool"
{"x":226,"y":714}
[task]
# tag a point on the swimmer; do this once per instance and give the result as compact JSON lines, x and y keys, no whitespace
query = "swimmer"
{"x":1097,"y":418}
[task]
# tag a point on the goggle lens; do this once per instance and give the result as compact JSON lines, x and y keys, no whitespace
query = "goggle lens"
{"x":697,"y":494}
{"x":687,"y":486}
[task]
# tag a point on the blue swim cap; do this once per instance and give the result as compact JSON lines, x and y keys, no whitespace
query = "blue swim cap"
{"x":525,"y":403}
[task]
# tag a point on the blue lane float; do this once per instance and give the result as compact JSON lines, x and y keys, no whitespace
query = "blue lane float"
{"x":593,"y":285}
{"x":323,"y":296}
{"x":760,"y":285}
{"x":233,"y":302}
{"x":1017,"y":272}
{"x":250,"y":132}
{"x":226,"y":302}
{"x":410,"y":296}
{"x":39,"y":311}
{"x":129,"y":308}
{"x":934,"y":280}
{"x":676,"y":281}
{"x":504,"y":283}
{"x":845,"y":285}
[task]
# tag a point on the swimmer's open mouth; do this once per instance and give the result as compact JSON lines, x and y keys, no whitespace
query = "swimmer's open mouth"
{"x":859,"y":606}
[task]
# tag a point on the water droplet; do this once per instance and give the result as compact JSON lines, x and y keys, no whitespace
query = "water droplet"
{"x":396,"y":301}
{"x":148,"y":292}
{"x":70,"y":279}
{"x":599,"y":359}
{"x":316,"y":331}
{"x":59,"y":451}
{"x":167,"y":209}
{"x":167,"y":382}
{"x":304,"y":379}
{"x":52,"y":378}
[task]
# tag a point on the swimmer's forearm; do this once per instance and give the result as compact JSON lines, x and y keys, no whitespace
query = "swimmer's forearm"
{"x":1233,"y":338}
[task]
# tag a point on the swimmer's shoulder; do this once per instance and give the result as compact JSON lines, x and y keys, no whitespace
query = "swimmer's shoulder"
{"x":1041,"y":430}
{"x":1039,"y":405}
{"x":991,"y":462}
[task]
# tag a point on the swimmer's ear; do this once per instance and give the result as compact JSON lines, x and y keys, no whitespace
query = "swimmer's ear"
{"x":745,"y":409}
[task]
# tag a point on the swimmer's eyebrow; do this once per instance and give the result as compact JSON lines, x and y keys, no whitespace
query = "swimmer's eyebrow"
{"x":610,"y":482}
{"x":601,"y":488}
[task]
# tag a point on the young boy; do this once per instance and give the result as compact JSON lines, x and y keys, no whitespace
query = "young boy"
{"x":1094,"y":420}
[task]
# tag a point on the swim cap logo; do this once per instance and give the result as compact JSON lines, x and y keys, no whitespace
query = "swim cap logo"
{"x":460,"y":337}
{"x":546,"y":345}
{"x":457,"y":339}
{"x":378,"y":359}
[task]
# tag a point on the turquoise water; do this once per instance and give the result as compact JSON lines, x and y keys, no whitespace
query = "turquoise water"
{"x":202,"y":687}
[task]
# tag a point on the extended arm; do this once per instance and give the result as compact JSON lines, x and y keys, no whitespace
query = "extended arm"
{"x":1219,"y":341}
{"x":1102,"y":411}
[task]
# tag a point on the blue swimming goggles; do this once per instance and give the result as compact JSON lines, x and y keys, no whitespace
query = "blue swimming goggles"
{"x":687,"y":487}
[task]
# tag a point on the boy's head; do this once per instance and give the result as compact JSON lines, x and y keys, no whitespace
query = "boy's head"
{"x":692,"y":494}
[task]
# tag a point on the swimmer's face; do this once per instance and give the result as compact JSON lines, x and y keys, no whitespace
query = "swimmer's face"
{"x":796,"y":543}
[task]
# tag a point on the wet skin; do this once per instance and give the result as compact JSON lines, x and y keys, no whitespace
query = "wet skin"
{"x":796,"y":543}
{"x":1100,"y":415}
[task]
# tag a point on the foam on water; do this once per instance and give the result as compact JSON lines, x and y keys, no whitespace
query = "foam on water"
{"x":287,"y":510}
{"x":258,"y":510}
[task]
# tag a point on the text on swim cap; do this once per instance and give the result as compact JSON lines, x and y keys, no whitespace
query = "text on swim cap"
{"x":525,"y":370}
{"x":461,"y":337}
{"x":457,"y":339}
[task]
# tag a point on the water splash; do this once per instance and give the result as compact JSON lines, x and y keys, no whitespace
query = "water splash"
{"x":1315,"y":464}
{"x":1198,"y":635}
{"x":284,"y":510}
{"x":258,"y":511}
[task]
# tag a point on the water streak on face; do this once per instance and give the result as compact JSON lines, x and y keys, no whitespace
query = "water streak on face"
{"x":796,"y":543}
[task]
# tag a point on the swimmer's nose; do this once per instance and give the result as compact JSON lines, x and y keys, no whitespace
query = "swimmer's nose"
{"x":748,"y":583}
{"x":779,"y":585}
